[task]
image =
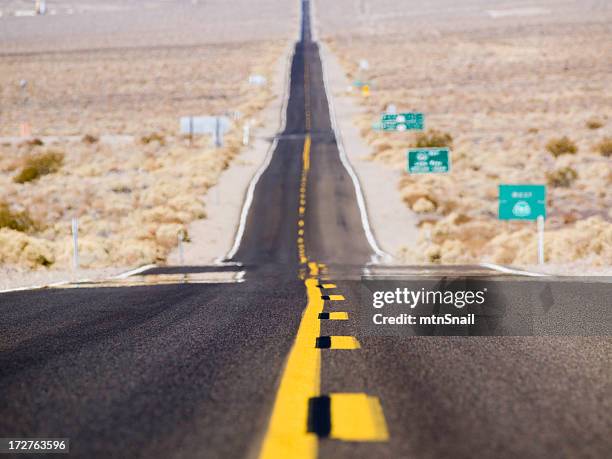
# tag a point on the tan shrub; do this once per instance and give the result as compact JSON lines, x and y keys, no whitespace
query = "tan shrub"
{"x":423,"y":205}
{"x":561,"y":146}
{"x":561,"y":178}
{"x":153,"y":137}
{"x":594,"y":124}
{"x":17,"y":248}
{"x":17,"y":221}
{"x":433,"y":138}
{"x":605,"y":147}
{"x":35,"y":166}
{"x":90,"y":139}
{"x":166,"y":235}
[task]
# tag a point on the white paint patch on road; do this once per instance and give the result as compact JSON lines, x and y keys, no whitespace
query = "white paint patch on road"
{"x":514,"y":12}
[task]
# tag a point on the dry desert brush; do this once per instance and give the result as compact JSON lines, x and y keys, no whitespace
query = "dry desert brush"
{"x":561,"y":146}
{"x":605,"y":147}
{"x":561,"y":178}
{"x":18,"y":221}
{"x":594,"y":124}
{"x":35,"y":166}
{"x":433,"y":139}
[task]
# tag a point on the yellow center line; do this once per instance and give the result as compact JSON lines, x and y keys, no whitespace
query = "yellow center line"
{"x":287,"y":435}
{"x":306,"y":154}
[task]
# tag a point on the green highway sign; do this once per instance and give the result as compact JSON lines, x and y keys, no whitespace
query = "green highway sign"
{"x":522,"y":202}
{"x":402,"y":121}
{"x":428,"y":160}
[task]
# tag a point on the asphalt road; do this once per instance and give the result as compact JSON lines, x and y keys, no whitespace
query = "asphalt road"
{"x":227,"y":369}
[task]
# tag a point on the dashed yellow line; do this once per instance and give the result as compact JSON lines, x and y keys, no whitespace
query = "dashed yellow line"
{"x":338,"y":316}
{"x":306,"y":154}
{"x":357,"y":417}
{"x":344,"y":342}
{"x":354,"y":417}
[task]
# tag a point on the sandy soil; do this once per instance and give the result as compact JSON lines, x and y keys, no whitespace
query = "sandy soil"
{"x":125,"y":75}
{"x":503,"y":80}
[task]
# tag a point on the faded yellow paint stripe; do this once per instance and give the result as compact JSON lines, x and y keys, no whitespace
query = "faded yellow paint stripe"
{"x":338,"y":316}
{"x":336,"y":298}
{"x":344,"y":342}
{"x":306,"y":154}
{"x":329,"y":286}
{"x":357,"y":417}
{"x":287,"y":435}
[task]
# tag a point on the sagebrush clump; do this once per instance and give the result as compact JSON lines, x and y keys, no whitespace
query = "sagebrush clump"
{"x":561,"y":146}
{"x":35,"y":166}
{"x":90,"y":139}
{"x":562,"y":178}
{"x":18,"y":221}
{"x":605,"y":147}
{"x":153,"y":137}
{"x":594,"y":124}
{"x":433,"y":138}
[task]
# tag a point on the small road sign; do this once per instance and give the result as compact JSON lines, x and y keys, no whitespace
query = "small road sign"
{"x":428,"y":160}
{"x":402,"y":121}
{"x":257,"y":80}
{"x":522,"y":202}
{"x":216,"y":126}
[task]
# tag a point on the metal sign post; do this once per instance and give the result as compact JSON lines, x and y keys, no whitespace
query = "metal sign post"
{"x":540,"y":221}
{"x":181,"y":238}
{"x":216,"y":126}
{"x":190,"y":130}
{"x":75,"y":243}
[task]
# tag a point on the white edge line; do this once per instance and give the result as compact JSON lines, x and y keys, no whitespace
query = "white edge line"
{"x":251,"y":189}
{"x":132,"y":272}
{"x":506,"y":270}
{"x":381,"y":255}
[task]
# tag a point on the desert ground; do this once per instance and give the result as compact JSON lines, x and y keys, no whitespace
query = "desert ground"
{"x":503,"y":79}
{"x":106,"y":86}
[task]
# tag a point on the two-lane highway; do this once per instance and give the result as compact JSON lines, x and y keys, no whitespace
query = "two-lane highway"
{"x":264,"y":356}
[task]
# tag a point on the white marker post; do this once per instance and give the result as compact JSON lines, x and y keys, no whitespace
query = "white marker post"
{"x":218,"y":133}
{"x":190,"y":131}
{"x":180,"y":247}
{"x":75,"y":243}
{"x":245,"y":134}
{"x":540,"y":223}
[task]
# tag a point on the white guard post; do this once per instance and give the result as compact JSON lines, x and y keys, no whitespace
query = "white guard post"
{"x":75,"y":243}
{"x":540,"y":223}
